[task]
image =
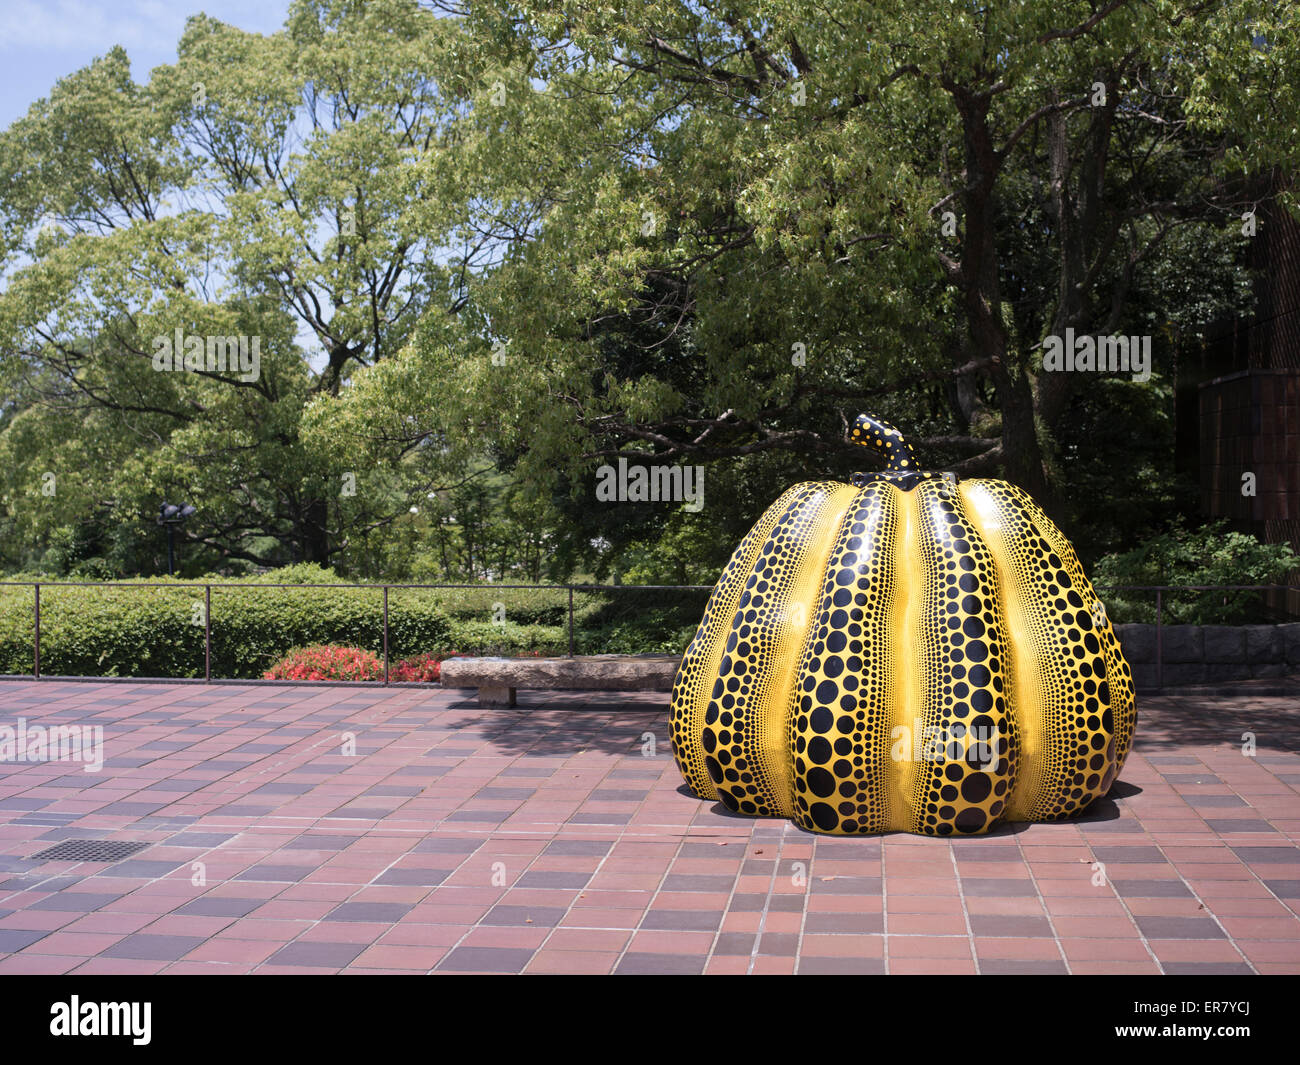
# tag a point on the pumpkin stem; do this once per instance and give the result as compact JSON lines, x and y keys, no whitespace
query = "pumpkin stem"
{"x":877,"y":435}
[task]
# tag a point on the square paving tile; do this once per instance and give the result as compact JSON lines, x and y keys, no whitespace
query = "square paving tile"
{"x":682,"y":920}
{"x":1179,"y":928}
{"x":276,"y":873}
{"x":991,"y":924}
{"x":841,"y":967}
{"x":536,"y":916}
{"x":325,"y":955}
{"x":579,"y":847}
{"x":1007,"y":967}
{"x":1168,"y":889}
{"x":75,"y":902}
{"x":413,"y":877}
{"x":153,"y":948}
{"x":385,"y":912}
{"x":1228,"y":826}
{"x":485,"y":960}
{"x":990,"y":887}
{"x":640,"y":964}
{"x":219,"y":906}
{"x":1268,"y":855}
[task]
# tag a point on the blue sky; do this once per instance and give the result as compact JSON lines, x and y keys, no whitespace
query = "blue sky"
{"x":44,"y":40}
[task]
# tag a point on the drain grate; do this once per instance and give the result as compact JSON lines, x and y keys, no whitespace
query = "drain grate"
{"x":90,"y":850}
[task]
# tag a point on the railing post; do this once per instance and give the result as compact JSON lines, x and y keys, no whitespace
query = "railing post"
{"x":36,"y":644}
{"x":207,"y":633}
{"x":1160,"y":642}
{"x":385,"y":634}
{"x":571,"y":621}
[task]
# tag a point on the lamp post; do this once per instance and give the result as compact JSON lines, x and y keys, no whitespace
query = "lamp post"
{"x":171,"y":515}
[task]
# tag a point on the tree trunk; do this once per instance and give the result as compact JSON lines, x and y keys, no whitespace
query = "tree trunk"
{"x":977,"y":278}
{"x":314,"y":533}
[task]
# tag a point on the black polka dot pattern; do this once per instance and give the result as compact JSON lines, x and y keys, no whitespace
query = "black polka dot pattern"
{"x":1077,"y":690}
{"x":840,"y":721}
{"x":746,"y":745}
{"x":924,"y":656}
{"x":698,"y":673}
{"x":969,"y":742}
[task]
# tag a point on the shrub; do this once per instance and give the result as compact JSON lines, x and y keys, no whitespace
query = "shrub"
{"x":327,"y":663}
{"x":125,"y":630}
{"x":1207,"y":555}
{"x":484,"y":638}
{"x":523,"y":606}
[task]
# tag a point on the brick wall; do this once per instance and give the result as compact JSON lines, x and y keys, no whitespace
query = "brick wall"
{"x":1250,"y":423}
{"x":1274,"y":329}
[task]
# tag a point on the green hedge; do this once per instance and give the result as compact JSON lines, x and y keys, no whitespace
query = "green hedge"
{"x":127,"y":630}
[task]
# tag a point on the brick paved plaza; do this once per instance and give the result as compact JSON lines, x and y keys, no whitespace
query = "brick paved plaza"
{"x":552,"y":838}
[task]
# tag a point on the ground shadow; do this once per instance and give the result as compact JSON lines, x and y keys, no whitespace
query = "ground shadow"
{"x":559,"y":724}
{"x":1122,"y":789}
{"x":1103,"y":809}
{"x":1170,"y":721}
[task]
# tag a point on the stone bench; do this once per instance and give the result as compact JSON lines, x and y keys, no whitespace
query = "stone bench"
{"x":497,"y":678}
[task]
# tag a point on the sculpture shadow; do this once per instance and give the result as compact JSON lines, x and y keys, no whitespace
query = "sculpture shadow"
{"x":1105,"y":808}
{"x":1122,"y":789}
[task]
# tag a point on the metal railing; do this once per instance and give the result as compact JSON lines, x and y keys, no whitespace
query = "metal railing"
{"x":1160,"y":591}
{"x":384,"y":588}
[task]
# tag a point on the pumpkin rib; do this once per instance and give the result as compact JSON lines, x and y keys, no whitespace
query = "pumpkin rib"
{"x":744,"y":728}
{"x":839,"y":713}
{"x":697,"y":679}
{"x":962,"y":782}
{"x":1088,"y":723}
{"x":1123,"y":705}
{"x":1049,"y":705}
{"x":908,"y":723}
{"x":904,"y":719}
{"x":1119,"y":684}
{"x":765,"y":643}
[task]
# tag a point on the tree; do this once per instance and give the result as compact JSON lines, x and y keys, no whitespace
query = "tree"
{"x":530,"y":239}
{"x":739,"y":224}
{"x":256,"y":189}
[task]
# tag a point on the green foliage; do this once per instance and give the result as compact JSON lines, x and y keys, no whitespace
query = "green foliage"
{"x":486,"y":254}
{"x":1115,"y":456}
{"x":255,"y":188}
{"x":124,"y":630}
{"x":652,"y":635}
{"x":482,"y":529}
{"x":1202,"y":556}
{"x":721,"y":188}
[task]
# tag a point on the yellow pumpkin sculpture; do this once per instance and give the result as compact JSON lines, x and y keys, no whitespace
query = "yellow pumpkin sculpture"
{"x":911,"y":652}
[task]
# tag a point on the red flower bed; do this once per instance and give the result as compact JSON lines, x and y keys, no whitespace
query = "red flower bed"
{"x":352,"y":663}
{"x":420,"y":669}
{"x":327,"y":663}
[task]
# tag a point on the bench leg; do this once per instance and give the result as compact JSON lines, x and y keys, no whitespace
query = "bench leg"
{"x":496,"y":696}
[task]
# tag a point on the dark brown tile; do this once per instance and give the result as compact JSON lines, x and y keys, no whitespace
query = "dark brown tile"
{"x":1179,"y":928}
